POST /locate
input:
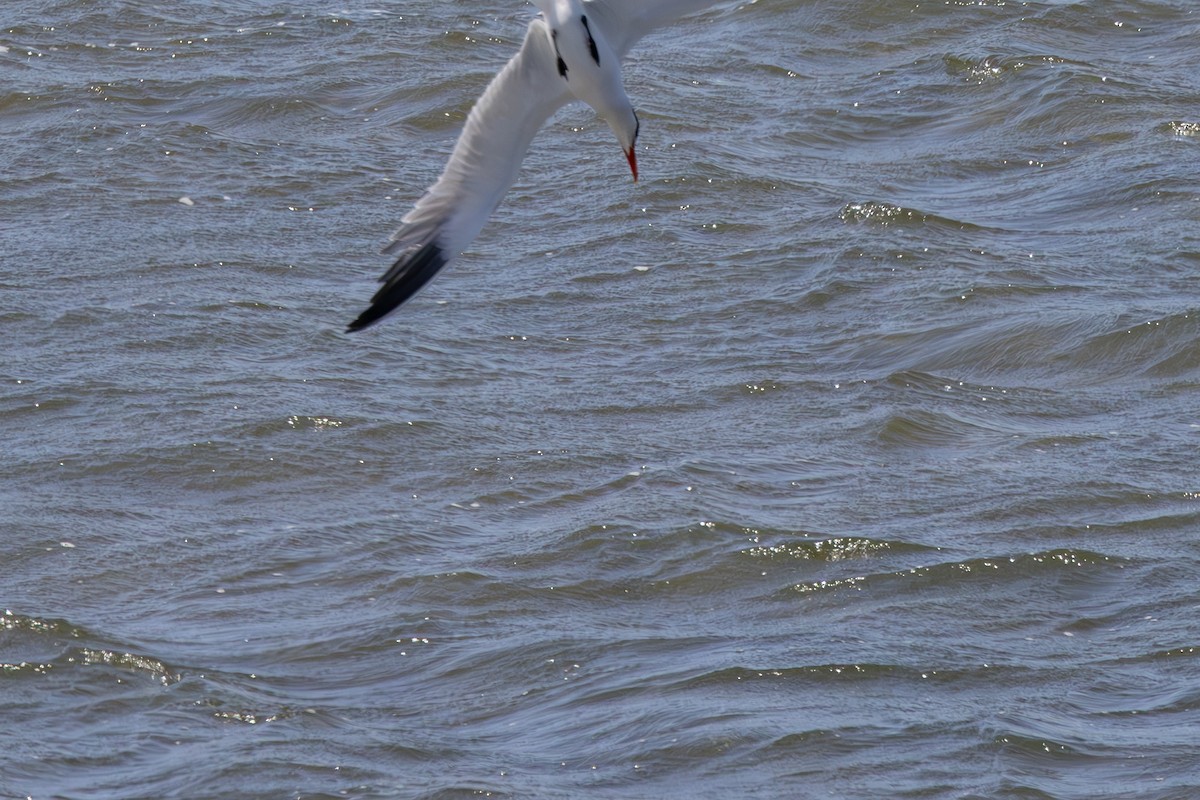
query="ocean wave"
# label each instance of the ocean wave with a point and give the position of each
(950, 573)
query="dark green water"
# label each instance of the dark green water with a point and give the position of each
(850, 454)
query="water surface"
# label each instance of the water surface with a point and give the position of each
(849, 454)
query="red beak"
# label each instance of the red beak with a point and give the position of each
(629, 154)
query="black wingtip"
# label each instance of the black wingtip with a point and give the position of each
(412, 270)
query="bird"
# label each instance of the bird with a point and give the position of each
(572, 50)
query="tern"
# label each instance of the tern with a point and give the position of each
(572, 51)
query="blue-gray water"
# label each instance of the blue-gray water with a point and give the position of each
(850, 454)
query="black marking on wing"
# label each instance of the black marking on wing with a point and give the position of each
(591, 42)
(562, 65)
(415, 268)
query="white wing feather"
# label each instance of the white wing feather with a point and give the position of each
(625, 21)
(482, 168)
(489, 151)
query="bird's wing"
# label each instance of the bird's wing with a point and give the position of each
(623, 22)
(482, 168)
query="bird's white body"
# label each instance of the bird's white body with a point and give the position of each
(590, 68)
(571, 51)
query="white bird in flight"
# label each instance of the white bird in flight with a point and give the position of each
(572, 51)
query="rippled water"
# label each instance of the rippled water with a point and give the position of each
(852, 453)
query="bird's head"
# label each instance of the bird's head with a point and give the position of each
(626, 128)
